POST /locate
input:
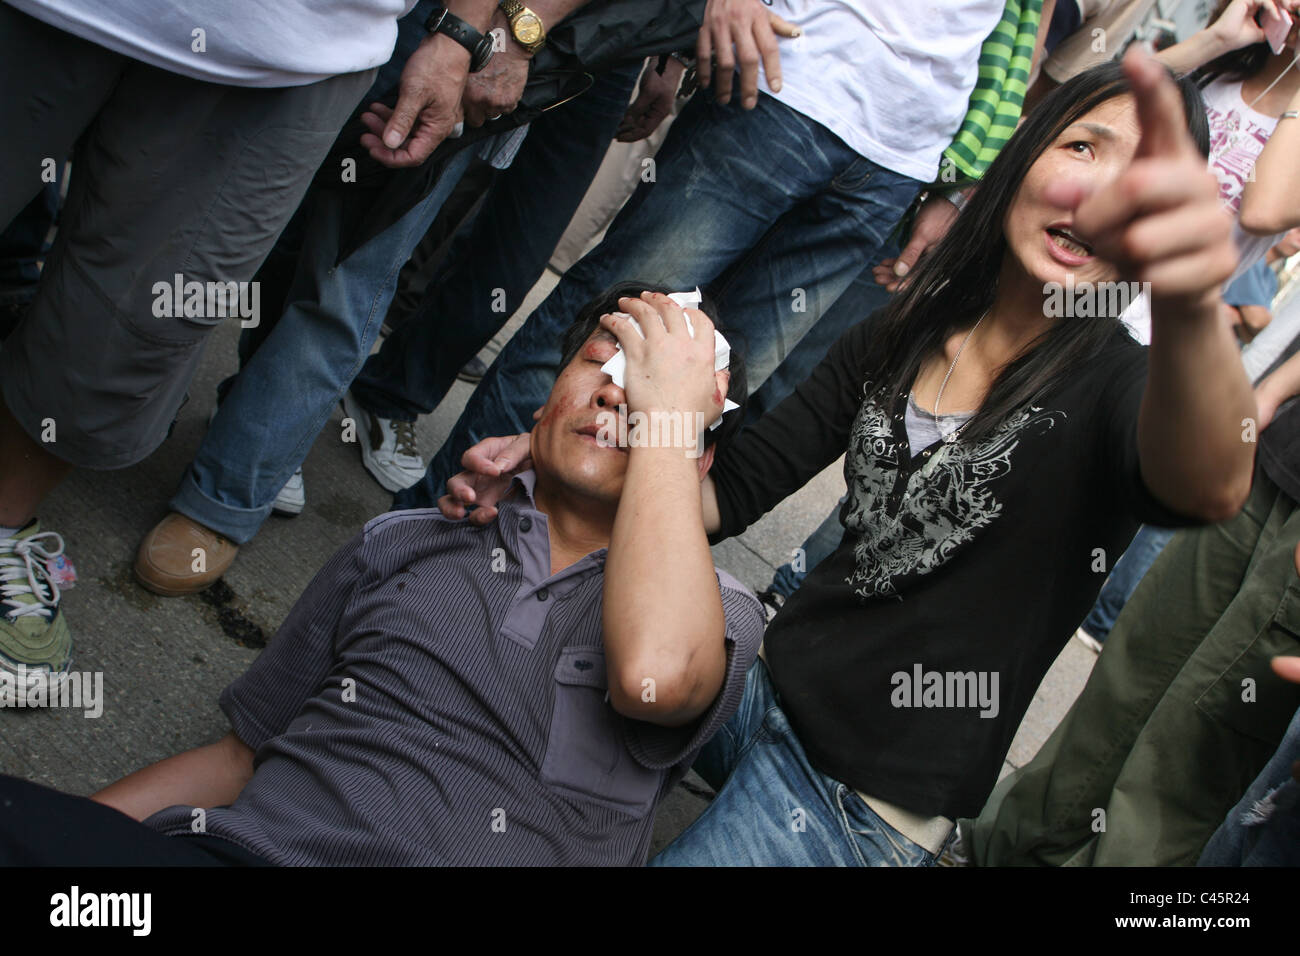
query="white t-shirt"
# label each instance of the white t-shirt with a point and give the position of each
(1237, 137)
(892, 78)
(264, 43)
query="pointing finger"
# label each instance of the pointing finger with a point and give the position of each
(1159, 106)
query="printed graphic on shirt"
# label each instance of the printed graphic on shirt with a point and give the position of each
(947, 501)
(1237, 137)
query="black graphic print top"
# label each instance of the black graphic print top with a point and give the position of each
(967, 560)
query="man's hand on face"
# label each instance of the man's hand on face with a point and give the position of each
(668, 370)
(428, 105)
(497, 88)
(744, 32)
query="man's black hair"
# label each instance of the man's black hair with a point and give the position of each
(588, 321)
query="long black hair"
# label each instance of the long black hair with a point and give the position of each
(957, 281)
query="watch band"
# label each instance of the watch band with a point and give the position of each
(480, 48)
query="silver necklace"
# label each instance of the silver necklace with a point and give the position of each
(952, 436)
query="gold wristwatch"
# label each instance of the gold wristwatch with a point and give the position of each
(525, 26)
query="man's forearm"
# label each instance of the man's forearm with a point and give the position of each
(663, 621)
(477, 13)
(553, 11)
(550, 12)
(210, 776)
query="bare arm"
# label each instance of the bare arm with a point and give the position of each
(1044, 24)
(1282, 384)
(429, 98)
(709, 503)
(498, 87)
(1194, 52)
(1190, 427)
(1247, 321)
(664, 626)
(1235, 28)
(663, 618)
(1161, 221)
(210, 776)
(1197, 396)
(1271, 202)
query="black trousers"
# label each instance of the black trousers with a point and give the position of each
(43, 827)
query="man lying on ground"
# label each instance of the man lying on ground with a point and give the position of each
(444, 693)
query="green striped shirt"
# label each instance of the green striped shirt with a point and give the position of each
(995, 104)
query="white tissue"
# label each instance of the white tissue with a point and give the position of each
(616, 367)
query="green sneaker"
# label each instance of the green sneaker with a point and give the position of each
(34, 637)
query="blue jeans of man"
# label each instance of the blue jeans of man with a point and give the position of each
(281, 399)
(1264, 828)
(855, 304)
(1124, 579)
(497, 260)
(770, 204)
(773, 807)
(271, 413)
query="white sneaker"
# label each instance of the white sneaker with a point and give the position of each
(292, 497)
(387, 447)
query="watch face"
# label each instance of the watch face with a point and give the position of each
(528, 28)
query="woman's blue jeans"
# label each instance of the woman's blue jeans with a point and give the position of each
(773, 807)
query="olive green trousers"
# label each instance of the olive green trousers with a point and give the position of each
(1180, 714)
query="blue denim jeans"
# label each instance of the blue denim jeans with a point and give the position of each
(497, 260)
(863, 297)
(773, 807)
(275, 407)
(770, 210)
(1264, 828)
(1124, 579)
(296, 366)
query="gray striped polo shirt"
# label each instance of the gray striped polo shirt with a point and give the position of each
(436, 696)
